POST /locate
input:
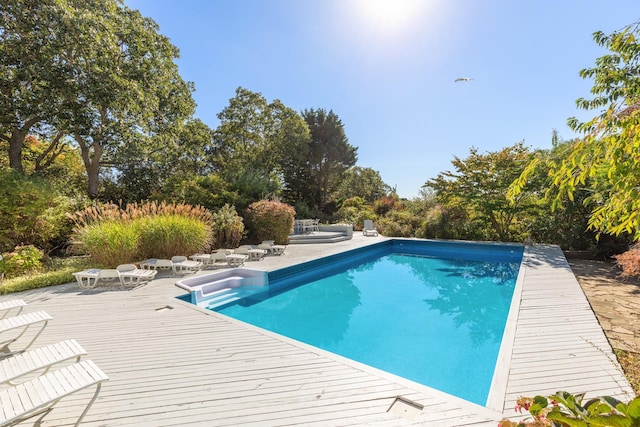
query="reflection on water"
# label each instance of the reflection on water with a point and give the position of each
(475, 294)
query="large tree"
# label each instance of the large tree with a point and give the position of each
(605, 161)
(362, 182)
(479, 187)
(255, 142)
(32, 79)
(329, 155)
(96, 71)
(143, 168)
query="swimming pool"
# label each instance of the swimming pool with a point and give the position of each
(431, 312)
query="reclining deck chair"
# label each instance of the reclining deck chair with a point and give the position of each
(6, 306)
(23, 321)
(132, 275)
(88, 279)
(181, 265)
(40, 395)
(42, 358)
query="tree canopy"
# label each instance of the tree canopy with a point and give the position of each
(605, 161)
(328, 157)
(95, 71)
(478, 187)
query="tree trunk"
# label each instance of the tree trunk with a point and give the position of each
(16, 142)
(15, 150)
(91, 158)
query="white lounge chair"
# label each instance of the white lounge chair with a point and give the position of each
(236, 260)
(40, 395)
(369, 229)
(88, 279)
(218, 260)
(6, 306)
(242, 250)
(272, 248)
(24, 321)
(181, 265)
(156, 264)
(132, 275)
(43, 358)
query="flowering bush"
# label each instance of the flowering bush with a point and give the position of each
(567, 410)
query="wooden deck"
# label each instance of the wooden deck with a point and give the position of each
(173, 364)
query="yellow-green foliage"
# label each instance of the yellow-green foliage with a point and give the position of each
(270, 220)
(109, 242)
(398, 224)
(164, 236)
(60, 272)
(114, 235)
(355, 214)
(228, 228)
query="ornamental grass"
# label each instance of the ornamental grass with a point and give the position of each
(112, 234)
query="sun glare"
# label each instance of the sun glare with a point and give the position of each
(389, 16)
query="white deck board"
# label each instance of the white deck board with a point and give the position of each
(184, 366)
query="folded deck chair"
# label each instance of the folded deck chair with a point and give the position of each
(40, 395)
(6, 307)
(181, 265)
(24, 321)
(42, 358)
(132, 275)
(369, 229)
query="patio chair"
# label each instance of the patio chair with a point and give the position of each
(39, 358)
(132, 275)
(6, 306)
(236, 260)
(181, 265)
(218, 260)
(88, 279)
(23, 321)
(39, 395)
(271, 247)
(156, 264)
(369, 229)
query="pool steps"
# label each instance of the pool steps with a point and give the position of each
(221, 288)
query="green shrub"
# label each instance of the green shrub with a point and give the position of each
(355, 214)
(21, 261)
(566, 409)
(32, 212)
(60, 272)
(270, 220)
(304, 211)
(356, 202)
(386, 204)
(398, 224)
(227, 228)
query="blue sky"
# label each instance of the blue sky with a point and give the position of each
(387, 68)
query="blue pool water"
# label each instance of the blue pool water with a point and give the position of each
(411, 310)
